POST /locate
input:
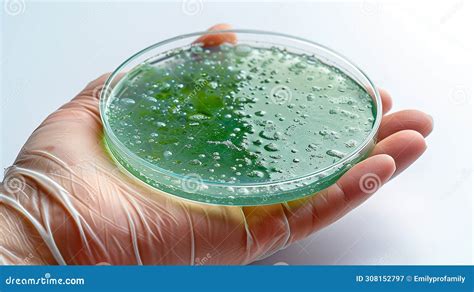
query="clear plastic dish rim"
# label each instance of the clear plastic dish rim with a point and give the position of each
(372, 90)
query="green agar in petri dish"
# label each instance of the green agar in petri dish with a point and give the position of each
(239, 114)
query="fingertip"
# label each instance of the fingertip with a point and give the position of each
(415, 147)
(383, 165)
(210, 40)
(367, 177)
(429, 125)
(425, 121)
(387, 166)
(416, 139)
(405, 147)
(406, 120)
(387, 101)
(400, 143)
(220, 26)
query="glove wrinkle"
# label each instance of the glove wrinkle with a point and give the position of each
(47, 238)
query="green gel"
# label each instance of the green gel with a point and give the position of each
(240, 114)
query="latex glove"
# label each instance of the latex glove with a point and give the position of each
(65, 202)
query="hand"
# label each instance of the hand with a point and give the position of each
(64, 202)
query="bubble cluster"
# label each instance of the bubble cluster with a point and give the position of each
(236, 113)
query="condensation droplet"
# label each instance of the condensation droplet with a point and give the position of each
(271, 147)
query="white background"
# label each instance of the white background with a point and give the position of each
(421, 52)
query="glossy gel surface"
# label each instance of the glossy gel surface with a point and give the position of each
(240, 114)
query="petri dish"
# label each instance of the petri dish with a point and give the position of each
(266, 119)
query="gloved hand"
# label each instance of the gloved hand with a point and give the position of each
(64, 201)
